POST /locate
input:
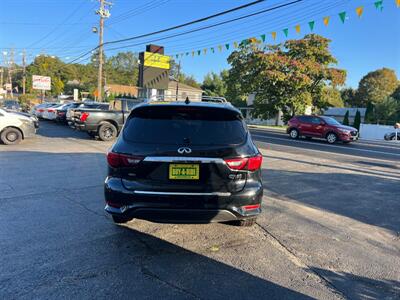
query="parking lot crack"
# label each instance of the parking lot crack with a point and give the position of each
(84, 206)
(298, 262)
(145, 271)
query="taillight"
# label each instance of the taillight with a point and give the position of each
(254, 162)
(247, 163)
(40, 110)
(84, 116)
(236, 163)
(50, 110)
(117, 160)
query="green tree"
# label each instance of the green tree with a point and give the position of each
(214, 84)
(48, 66)
(369, 113)
(331, 97)
(377, 86)
(387, 111)
(396, 93)
(357, 120)
(346, 118)
(285, 77)
(122, 68)
(349, 97)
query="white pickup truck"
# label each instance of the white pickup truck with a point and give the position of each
(15, 126)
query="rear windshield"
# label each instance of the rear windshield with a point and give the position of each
(185, 125)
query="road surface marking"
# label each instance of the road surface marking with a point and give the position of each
(330, 146)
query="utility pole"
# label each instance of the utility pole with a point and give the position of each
(103, 12)
(177, 81)
(10, 71)
(24, 71)
(1, 78)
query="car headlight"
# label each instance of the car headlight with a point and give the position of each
(344, 131)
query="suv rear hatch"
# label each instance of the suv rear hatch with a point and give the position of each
(182, 149)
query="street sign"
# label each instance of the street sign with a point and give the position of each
(41, 82)
(156, 60)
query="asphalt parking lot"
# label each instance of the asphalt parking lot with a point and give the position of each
(330, 228)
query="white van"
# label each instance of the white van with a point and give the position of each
(15, 126)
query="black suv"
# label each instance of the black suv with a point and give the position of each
(182, 162)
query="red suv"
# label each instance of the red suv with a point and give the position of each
(321, 127)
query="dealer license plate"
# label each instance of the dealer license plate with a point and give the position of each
(184, 171)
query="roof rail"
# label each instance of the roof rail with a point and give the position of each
(213, 99)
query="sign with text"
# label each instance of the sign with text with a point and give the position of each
(41, 82)
(156, 60)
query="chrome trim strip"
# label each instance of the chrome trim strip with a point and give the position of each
(184, 159)
(225, 194)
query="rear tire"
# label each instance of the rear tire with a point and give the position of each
(107, 132)
(246, 222)
(331, 138)
(120, 219)
(294, 134)
(11, 136)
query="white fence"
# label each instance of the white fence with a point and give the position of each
(374, 132)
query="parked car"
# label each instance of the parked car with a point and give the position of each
(15, 126)
(61, 112)
(10, 105)
(104, 123)
(392, 136)
(321, 127)
(39, 109)
(185, 163)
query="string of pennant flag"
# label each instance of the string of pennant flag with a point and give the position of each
(263, 37)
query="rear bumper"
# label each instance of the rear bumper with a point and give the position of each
(181, 207)
(84, 127)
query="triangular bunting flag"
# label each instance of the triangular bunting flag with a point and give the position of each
(192, 53)
(220, 48)
(235, 44)
(198, 52)
(297, 27)
(342, 16)
(398, 3)
(212, 49)
(252, 40)
(378, 4)
(326, 20)
(273, 34)
(263, 38)
(227, 46)
(360, 10)
(286, 31)
(205, 51)
(187, 53)
(311, 24)
(177, 56)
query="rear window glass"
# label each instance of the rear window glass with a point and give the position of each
(185, 125)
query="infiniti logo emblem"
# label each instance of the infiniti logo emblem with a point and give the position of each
(183, 150)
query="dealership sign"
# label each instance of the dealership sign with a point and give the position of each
(41, 82)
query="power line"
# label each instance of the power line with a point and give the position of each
(136, 12)
(56, 27)
(213, 25)
(189, 23)
(193, 22)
